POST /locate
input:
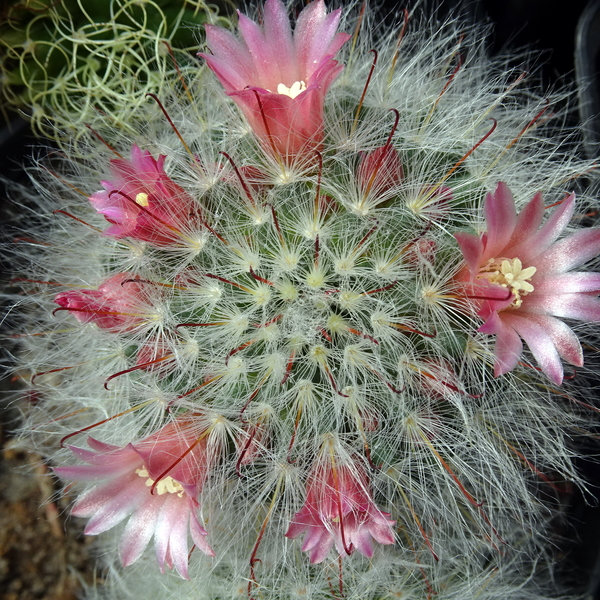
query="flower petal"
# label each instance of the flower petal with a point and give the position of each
(472, 249)
(380, 526)
(540, 343)
(563, 337)
(228, 50)
(501, 218)
(307, 26)
(567, 283)
(99, 446)
(230, 76)
(139, 530)
(169, 518)
(551, 229)
(361, 540)
(199, 535)
(281, 44)
(320, 547)
(528, 222)
(508, 348)
(94, 499)
(117, 508)
(567, 306)
(178, 539)
(571, 252)
(90, 472)
(259, 49)
(315, 37)
(314, 535)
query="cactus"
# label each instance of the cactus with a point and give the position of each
(314, 315)
(63, 62)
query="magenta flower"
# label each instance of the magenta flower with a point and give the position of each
(142, 201)
(155, 483)
(519, 278)
(119, 304)
(279, 79)
(339, 510)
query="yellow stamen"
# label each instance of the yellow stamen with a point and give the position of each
(167, 485)
(510, 274)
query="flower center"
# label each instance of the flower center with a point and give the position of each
(167, 485)
(510, 274)
(297, 88)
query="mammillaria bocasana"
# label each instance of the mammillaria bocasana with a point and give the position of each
(310, 299)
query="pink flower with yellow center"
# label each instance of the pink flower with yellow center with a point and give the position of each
(279, 79)
(119, 304)
(142, 202)
(519, 278)
(155, 483)
(339, 510)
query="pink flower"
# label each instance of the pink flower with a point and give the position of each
(279, 79)
(339, 510)
(119, 304)
(142, 201)
(155, 483)
(519, 278)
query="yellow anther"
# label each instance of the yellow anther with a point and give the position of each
(142, 199)
(167, 485)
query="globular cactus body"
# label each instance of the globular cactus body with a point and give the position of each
(299, 341)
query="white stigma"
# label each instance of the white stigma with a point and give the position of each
(297, 88)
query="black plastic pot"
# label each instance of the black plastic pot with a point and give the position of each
(587, 69)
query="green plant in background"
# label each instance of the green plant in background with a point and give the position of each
(65, 62)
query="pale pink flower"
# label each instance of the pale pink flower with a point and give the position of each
(119, 304)
(279, 79)
(142, 201)
(519, 278)
(339, 510)
(155, 483)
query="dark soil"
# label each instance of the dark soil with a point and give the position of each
(43, 554)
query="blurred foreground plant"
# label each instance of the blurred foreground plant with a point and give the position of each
(62, 62)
